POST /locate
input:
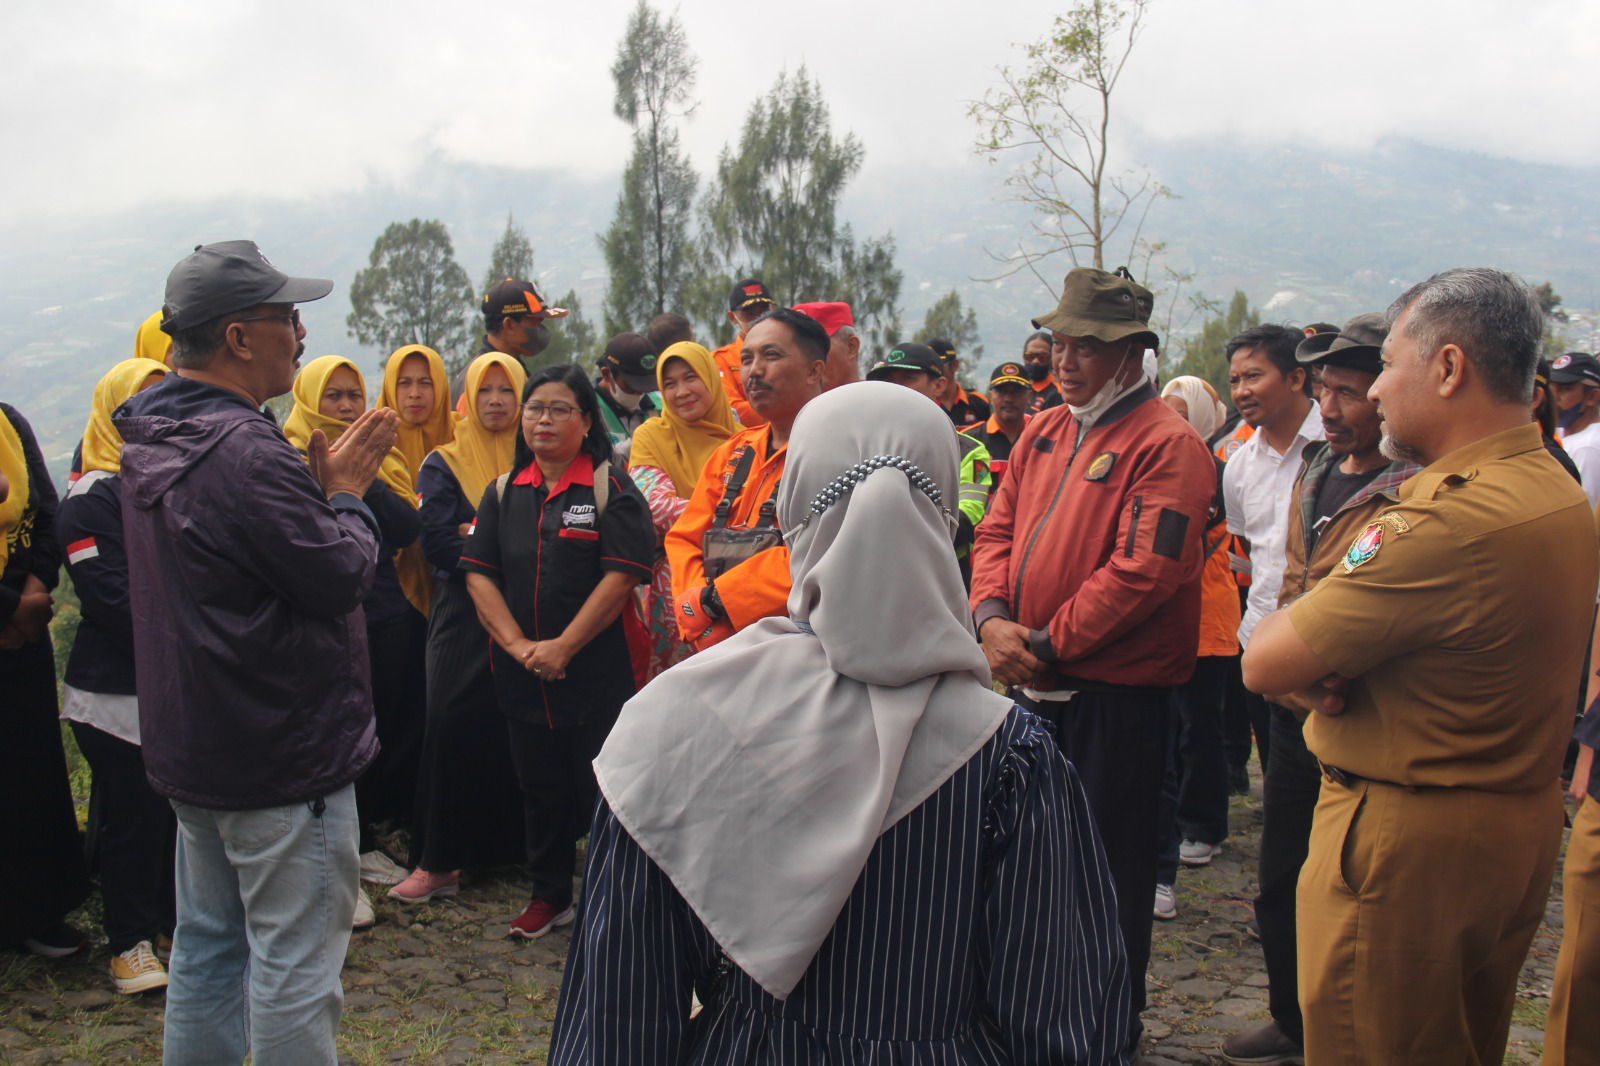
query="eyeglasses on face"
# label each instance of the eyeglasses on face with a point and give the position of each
(293, 317)
(559, 412)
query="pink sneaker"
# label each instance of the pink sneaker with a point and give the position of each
(421, 886)
(539, 918)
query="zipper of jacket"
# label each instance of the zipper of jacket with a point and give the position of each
(1133, 527)
(1027, 553)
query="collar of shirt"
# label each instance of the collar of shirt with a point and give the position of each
(1462, 463)
(578, 472)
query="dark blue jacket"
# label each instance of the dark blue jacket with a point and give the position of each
(246, 586)
(89, 530)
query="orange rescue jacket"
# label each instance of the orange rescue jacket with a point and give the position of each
(727, 360)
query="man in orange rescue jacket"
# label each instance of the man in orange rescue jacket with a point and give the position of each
(1086, 575)
(744, 576)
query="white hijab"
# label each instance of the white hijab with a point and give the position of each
(1206, 412)
(759, 774)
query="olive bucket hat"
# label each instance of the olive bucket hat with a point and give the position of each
(1099, 304)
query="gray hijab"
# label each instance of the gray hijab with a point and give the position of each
(759, 774)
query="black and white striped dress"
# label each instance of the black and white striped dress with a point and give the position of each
(983, 930)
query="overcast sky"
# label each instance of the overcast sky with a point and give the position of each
(109, 104)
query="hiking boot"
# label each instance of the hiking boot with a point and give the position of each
(1196, 853)
(1264, 1045)
(137, 970)
(365, 917)
(378, 869)
(539, 918)
(422, 886)
(1166, 907)
(57, 942)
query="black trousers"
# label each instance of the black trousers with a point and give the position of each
(1289, 799)
(138, 837)
(1118, 742)
(1259, 713)
(558, 797)
(1201, 764)
(387, 790)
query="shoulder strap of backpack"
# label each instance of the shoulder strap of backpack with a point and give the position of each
(602, 489)
(500, 487)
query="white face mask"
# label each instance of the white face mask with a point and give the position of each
(628, 401)
(1109, 393)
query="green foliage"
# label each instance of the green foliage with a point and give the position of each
(1203, 355)
(512, 258)
(413, 291)
(573, 339)
(648, 248)
(772, 211)
(960, 327)
(1055, 112)
(1555, 320)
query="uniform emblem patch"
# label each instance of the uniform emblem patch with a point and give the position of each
(1100, 469)
(1364, 547)
(1231, 447)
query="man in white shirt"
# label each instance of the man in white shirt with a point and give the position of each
(1575, 380)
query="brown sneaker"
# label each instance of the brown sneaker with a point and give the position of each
(137, 970)
(1264, 1045)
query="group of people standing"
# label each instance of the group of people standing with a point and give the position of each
(743, 618)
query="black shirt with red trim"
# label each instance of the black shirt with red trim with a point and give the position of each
(547, 549)
(999, 445)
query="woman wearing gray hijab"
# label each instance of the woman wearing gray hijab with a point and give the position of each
(829, 827)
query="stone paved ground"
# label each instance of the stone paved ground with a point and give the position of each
(440, 984)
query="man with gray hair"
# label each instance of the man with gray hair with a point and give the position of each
(1441, 668)
(246, 571)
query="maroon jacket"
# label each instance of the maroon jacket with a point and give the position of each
(246, 589)
(1095, 546)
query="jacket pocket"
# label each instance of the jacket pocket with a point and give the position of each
(1133, 527)
(575, 533)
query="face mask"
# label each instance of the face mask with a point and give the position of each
(538, 339)
(1109, 393)
(1035, 372)
(628, 401)
(1569, 415)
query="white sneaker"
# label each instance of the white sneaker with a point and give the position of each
(365, 916)
(1166, 907)
(1194, 853)
(378, 869)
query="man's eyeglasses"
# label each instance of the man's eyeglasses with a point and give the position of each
(559, 412)
(292, 316)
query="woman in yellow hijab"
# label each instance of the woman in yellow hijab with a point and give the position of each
(668, 453)
(151, 343)
(469, 804)
(416, 387)
(135, 825)
(329, 394)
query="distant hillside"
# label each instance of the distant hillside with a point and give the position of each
(1309, 233)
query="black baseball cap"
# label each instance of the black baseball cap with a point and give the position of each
(1573, 367)
(1009, 374)
(631, 358)
(907, 357)
(218, 279)
(749, 293)
(943, 349)
(513, 297)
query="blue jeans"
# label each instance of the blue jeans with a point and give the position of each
(265, 900)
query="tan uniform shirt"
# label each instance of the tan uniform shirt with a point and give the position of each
(1462, 614)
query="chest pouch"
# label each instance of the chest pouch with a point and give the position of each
(724, 546)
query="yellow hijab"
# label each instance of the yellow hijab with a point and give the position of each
(151, 343)
(102, 444)
(415, 442)
(14, 465)
(681, 448)
(477, 456)
(415, 578)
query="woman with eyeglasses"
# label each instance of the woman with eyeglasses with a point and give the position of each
(558, 545)
(669, 451)
(468, 809)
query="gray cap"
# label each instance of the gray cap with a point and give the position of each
(1359, 345)
(218, 279)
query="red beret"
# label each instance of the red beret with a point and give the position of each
(831, 315)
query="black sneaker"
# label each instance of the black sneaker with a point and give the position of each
(1265, 1045)
(57, 942)
(1239, 780)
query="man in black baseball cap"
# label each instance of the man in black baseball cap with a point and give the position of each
(627, 388)
(749, 300)
(1575, 380)
(1010, 389)
(963, 407)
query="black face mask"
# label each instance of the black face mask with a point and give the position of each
(1035, 372)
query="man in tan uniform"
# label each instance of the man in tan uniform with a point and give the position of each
(1443, 666)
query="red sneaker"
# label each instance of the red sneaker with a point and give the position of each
(539, 919)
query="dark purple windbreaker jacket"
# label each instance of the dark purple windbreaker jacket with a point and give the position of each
(246, 586)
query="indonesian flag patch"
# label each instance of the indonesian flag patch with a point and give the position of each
(79, 550)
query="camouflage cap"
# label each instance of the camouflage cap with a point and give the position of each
(1100, 304)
